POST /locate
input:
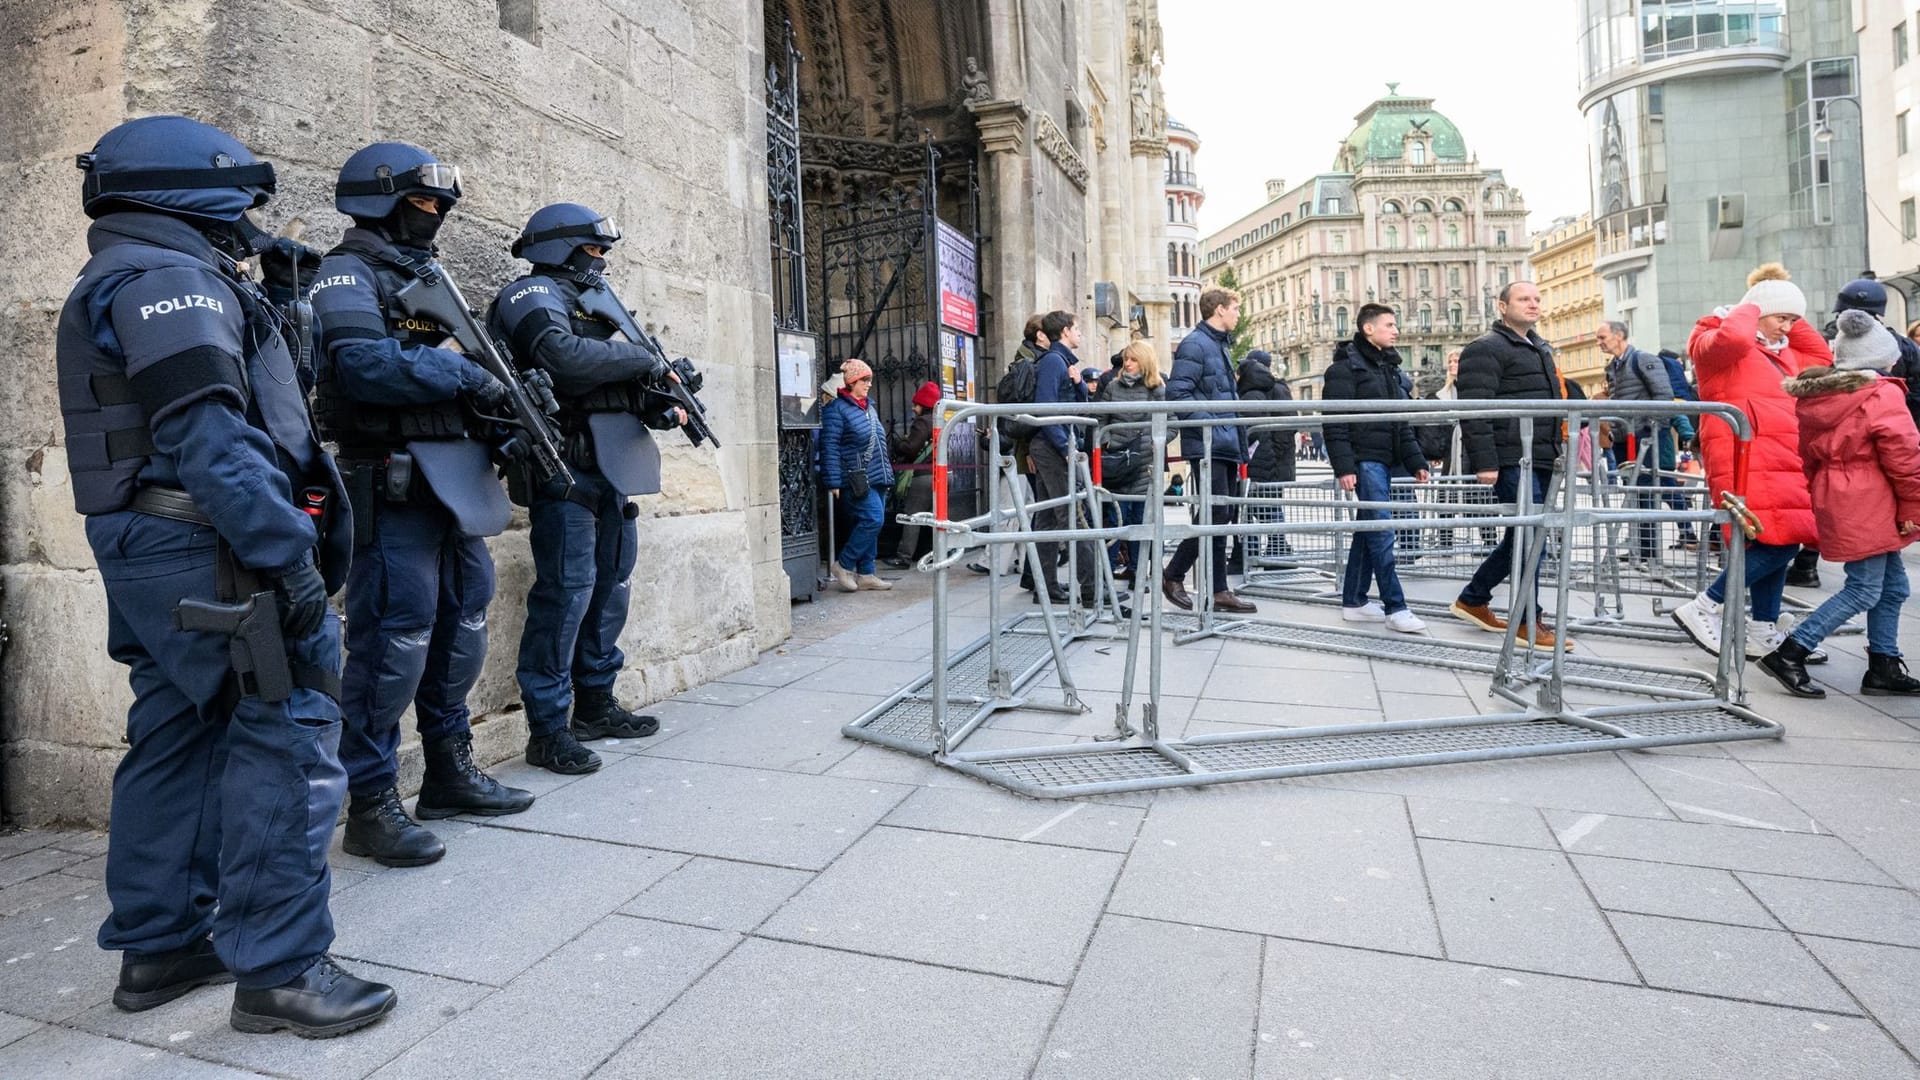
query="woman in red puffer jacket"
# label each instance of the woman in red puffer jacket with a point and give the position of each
(1741, 356)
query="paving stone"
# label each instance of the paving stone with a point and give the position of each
(1597, 783)
(22, 840)
(344, 879)
(50, 968)
(1210, 716)
(1838, 909)
(1723, 846)
(786, 819)
(778, 670)
(776, 1010)
(861, 675)
(1872, 753)
(60, 1052)
(1683, 892)
(719, 894)
(93, 869)
(1156, 999)
(1008, 816)
(31, 864)
(1424, 706)
(536, 891)
(14, 1028)
(1884, 978)
(1282, 859)
(969, 902)
(1254, 654)
(1096, 722)
(1292, 686)
(1730, 961)
(564, 1015)
(720, 693)
(1872, 809)
(31, 893)
(1330, 1012)
(1724, 792)
(1480, 823)
(1518, 908)
(1182, 673)
(790, 729)
(1840, 716)
(81, 842)
(197, 1025)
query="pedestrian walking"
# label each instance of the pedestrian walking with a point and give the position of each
(1741, 356)
(1364, 453)
(1126, 456)
(1510, 362)
(854, 466)
(192, 458)
(1059, 379)
(1634, 374)
(1203, 375)
(1862, 454)
(407, 414)
(913, 479)
(1270, 450)
(584, 537)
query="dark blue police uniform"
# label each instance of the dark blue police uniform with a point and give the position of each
(188, 442)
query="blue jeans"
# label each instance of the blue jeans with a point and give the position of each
(1131, 513)
(863, 542)
(1370, 558)
(222, 808)
(1766, 578)
(416, 633)
(1876, 585)
(582, 560)
(1496, 567)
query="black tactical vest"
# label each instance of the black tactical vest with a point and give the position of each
(365, 429)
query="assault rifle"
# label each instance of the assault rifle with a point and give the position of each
(432, 295)
(603, 303)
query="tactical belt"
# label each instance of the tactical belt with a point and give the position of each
(168, 502)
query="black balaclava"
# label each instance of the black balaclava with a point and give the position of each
(411, 227)
(582, 263)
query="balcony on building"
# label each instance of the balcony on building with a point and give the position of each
(1183, 178)
(1627, 43)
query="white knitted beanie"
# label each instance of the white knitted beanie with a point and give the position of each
(1769, 289)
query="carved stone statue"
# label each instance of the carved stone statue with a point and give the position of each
(975, 89)
(1143, 104)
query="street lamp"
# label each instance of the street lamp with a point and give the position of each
(1823, 135)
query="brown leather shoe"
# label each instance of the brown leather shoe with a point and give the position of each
(1226, 601)
(1480, 616)
(1542, 638)
(1176, 594)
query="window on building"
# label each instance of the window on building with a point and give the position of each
(1340, 322)
(1422, 206)
(1426, 317)
(1456, 317)
(1900, 43)
(1425, 278)
(1505, 276)
(1173, 261)
(1500, 238)
(1339, 281)
(1900, 133)
(1453, 278)
(1453, 236)
(1393, 283)
(1906, 218)
(1340, 239)
(1421, 238)
(1333, 206)
(1452, 206)
(1417, 153)
(1393, 236)
(1391, 206)
(1499, 200)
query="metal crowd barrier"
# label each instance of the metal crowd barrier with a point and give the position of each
(1567, 542)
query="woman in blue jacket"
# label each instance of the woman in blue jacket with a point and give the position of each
(853, 449)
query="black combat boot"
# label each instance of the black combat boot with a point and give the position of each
(455, 785)
(1804, 573)
(560, 752)
(149, 979)
(378, 828)
(598, 715)
(323, 1001)
(1788, 663)
(1887, 676)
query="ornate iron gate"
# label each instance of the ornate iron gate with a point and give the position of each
(799, 533)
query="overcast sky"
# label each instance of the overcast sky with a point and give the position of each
(1272, 89)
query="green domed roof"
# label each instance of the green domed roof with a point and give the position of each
(1382, 126)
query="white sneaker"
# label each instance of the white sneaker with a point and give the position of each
(872, 581)
(843, 577)
(1765, 637)
(1700, 618)
(1371, 611)
(1405, 621)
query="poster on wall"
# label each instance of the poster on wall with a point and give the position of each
(959, 280)
(956, 365)
(797, 358)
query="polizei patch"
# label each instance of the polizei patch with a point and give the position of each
(180, 303)
(528, 291)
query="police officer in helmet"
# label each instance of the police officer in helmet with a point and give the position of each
(404, 409)
(583, 538)
(204, 490)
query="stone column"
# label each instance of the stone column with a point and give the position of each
(1008, 274)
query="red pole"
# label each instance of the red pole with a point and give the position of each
(939, 479)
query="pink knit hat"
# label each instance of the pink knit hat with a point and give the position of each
(855, 370)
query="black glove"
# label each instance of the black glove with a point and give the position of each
(539, 386)
(303, 600)
(490, 395)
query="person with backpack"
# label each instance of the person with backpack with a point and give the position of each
(1014, 438)
(1270, 450)
(913, 483)
(1202, 374)
(1058, 378)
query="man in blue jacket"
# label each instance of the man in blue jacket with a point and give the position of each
(1058, 378)
(1201, 372)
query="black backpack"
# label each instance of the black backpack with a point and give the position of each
(1017, 386)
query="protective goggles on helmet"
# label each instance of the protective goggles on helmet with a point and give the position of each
(224, 173)
(433, 176)
(600, 231)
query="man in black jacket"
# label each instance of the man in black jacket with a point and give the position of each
(1363, 455)
(1509, 362)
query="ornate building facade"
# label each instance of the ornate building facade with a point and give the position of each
(1184, 196)
(1572, 304)
(903, 180)
(1406, 217)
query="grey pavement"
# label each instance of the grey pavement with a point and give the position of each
(751, 894)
